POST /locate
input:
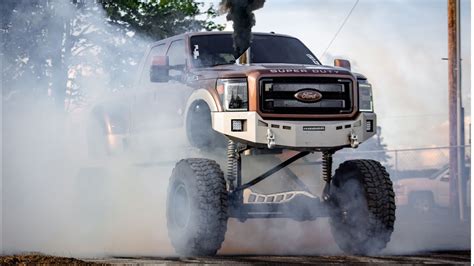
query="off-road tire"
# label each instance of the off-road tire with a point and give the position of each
(198, 226)
(97, 146)
(363, 207)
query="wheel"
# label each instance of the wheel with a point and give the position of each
(105, 131)
(97, 146)
(199, 128)
(363, 207)
(422, 202)
(196, 208)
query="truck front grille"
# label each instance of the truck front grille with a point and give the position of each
(277, 95)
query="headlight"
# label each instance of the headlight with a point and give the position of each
(233, 94)
(366, 103)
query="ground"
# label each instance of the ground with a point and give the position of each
(444, 257)
(115, 213)
(453, 257)
(39, 259)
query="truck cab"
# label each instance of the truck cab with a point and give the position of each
(276, 95)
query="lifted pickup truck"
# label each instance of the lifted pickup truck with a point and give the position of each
(276, 96)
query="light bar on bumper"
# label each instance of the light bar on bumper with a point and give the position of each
(233, 94)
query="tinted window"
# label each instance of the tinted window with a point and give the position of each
(158, 50)
(211, 50)
(177, 56)
(155, 51)
(217, 49)
(277, 49)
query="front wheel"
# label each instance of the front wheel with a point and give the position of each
(196, 208)
(199, 128)
(363, 207)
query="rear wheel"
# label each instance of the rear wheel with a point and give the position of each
(106, 131)
(363, 213)
(197, 207)
(97, 145)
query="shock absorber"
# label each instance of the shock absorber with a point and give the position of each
(326, 166)
(232, 163)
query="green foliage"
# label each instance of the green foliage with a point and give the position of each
(161, 19)
(43, 41)
(24, 32)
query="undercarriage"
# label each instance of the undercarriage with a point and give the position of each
(298, 205)
(358, 199)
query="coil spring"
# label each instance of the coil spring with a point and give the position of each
(327, 166)
(232, 161)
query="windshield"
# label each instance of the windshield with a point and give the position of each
(217, 49)
(439, 172)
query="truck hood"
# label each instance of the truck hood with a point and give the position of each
(242, 71)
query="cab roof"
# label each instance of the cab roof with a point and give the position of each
(190, 34)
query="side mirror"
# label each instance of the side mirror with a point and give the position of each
(445, 177)
(159, 69)
(342, 63)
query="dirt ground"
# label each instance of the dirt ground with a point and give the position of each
(444, 257)
(29, 259)
(447, 257)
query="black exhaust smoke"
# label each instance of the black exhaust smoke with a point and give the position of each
(241, 14)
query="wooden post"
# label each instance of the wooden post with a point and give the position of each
(461, 184)
(452, 101)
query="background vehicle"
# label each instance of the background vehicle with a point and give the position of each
(424, 194)
(275, 97)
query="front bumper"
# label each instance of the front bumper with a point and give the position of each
(295, 134)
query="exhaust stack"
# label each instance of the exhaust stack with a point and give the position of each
(244, 59)
(243, 18)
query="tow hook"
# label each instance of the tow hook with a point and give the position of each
(354, 140)
(270, 139)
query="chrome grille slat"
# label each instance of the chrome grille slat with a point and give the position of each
(323, 103)
(319, 87)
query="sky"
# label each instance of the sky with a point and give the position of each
(397, 44)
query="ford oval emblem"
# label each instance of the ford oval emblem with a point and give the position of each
(308, 95)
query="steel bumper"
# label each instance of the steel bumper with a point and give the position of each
(295, 134)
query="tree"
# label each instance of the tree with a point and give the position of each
(22, 33)
(37, 40)
(158, 19)
(45, 42)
